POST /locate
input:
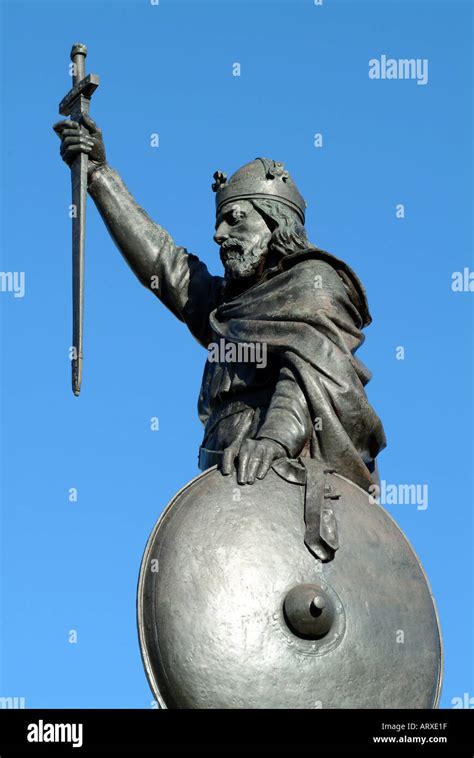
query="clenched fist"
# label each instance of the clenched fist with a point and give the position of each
(81, 137)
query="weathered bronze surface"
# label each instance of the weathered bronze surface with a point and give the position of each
(295, 591)
(225, 612)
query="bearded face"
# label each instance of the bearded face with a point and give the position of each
(243, 237)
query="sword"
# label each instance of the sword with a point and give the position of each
(75, 105)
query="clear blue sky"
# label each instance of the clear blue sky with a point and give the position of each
(168, 69)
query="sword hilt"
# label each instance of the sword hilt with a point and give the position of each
(78, 57)
(82, 85)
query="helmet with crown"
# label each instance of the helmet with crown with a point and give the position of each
(262, 178)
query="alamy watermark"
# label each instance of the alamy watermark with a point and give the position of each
(42, 731)
(462, 281)
(238, 352)
(466, 701)
(12, 702)
(399, 494)
(399, 68)
(13, 282)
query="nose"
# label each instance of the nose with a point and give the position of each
(220, 235)
(220, 238)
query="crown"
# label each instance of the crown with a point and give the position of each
(261, 178)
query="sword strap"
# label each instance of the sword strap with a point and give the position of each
(321, 535)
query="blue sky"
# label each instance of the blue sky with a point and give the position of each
(167, 69)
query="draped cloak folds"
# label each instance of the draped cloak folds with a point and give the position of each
(310, 314)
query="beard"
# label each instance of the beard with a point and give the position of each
(241, 260)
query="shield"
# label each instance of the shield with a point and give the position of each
(234, 610)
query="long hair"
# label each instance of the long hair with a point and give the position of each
(288, 233)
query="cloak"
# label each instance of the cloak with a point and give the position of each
(310, 312)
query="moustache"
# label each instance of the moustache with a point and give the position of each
(232, 247)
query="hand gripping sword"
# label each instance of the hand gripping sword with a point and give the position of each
(75, 104)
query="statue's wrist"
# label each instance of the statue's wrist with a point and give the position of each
(94, 170)
(279, 447)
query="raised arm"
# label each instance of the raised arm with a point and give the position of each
(179, 279)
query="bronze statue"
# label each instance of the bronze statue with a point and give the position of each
(304, 304)
(282, 392)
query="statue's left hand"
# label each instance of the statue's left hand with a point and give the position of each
(253, 459)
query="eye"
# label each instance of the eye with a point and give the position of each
(234, 216)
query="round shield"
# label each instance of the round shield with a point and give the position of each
(234, 611)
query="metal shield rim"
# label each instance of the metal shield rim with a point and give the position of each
(141, 583)
(439, 683)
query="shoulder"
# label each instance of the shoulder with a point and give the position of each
(322, 270)
(317, 272)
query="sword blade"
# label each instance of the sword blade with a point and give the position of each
(75, 105)
(79, 199)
